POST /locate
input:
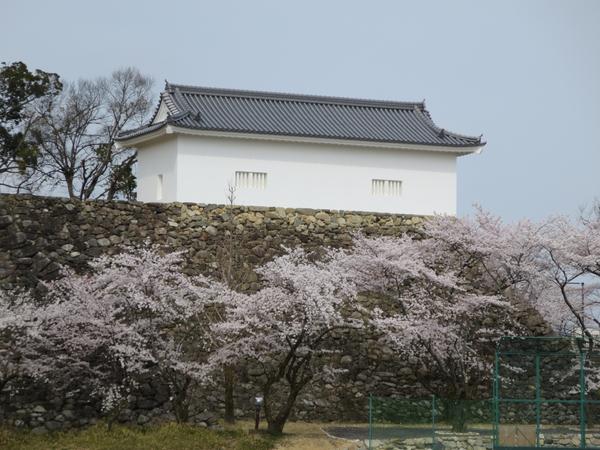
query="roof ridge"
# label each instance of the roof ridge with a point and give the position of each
(284, 96)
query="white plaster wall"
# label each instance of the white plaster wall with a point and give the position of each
(157, 158)
(162, 113)
(303, 175)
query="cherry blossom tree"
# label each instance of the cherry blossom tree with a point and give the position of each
(487, 254)
(439, 327)
(136, 313)
(19, 328)
(446, 297)
(283, 329)
(569, 260)
(550, 265)
(589, 246)
(539, 263)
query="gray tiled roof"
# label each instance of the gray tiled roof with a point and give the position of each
(270, 113)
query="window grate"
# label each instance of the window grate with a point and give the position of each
(159, 187)
(251, 180)
(391, 188)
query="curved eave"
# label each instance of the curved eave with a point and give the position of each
(154, 131)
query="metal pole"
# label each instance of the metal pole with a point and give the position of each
(370, 420)
(537, 399)
(582, 308)
(582, 400)
(496, 400)
(433, 420)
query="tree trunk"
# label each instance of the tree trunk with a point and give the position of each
(276, 424)
(181, 406)
(229, 379)
(70, 187)
(275, 427)
(181, 409)
(458, 416)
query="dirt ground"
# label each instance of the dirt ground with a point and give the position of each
(310, 436)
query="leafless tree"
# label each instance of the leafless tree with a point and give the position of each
(234, 271)
(77, 132)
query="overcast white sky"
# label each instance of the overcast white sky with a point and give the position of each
(526, 74)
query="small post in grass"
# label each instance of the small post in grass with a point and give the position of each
(258, 401)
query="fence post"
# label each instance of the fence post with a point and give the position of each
(582, 401)
(370, 420)
(538, 399)
(433, 420)
(496, 399)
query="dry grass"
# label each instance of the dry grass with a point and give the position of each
(297, 436)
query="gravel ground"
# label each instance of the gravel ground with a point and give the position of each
(388, 432)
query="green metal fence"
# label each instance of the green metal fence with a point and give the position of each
(545, 394)
(423, 422)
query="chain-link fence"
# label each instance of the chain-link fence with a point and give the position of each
(429, 423)
(546, 393)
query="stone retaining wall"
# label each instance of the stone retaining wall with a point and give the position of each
(442, 440)
(39, 234)
(477, 441)
(570, 439)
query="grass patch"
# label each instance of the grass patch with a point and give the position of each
(159, 437)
